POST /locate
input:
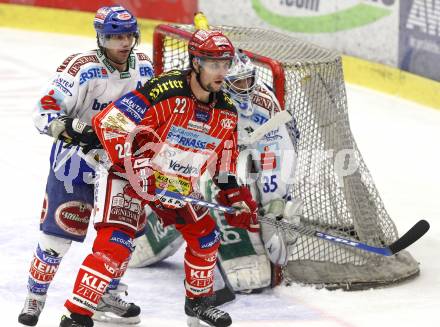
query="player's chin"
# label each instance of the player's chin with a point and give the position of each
(123, 54)
(216, 86)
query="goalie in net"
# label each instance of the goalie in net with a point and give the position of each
(247, 260)
(337, 192)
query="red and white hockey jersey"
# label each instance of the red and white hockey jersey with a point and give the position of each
(182, 135)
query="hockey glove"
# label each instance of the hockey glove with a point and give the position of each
(79, 133)
(246, 215)
(141, 178)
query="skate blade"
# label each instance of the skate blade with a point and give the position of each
(110, 318)
(196, 322)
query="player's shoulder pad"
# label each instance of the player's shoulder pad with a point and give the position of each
(167, 85)
(74, 63)
(225, 102)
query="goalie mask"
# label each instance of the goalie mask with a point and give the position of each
(241, 82)
(114, 23)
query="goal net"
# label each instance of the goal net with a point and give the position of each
(331, 178)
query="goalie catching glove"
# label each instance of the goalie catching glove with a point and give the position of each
(246, 215)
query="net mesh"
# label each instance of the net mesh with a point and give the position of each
(331, 178)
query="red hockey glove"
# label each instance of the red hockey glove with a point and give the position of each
(246, 215)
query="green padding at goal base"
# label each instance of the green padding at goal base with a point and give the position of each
(357, 71)
(60, 21)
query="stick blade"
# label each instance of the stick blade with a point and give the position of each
(277, 120)
(411, 236)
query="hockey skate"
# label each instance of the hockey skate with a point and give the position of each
(201, 310)
(33, 306)
(76, 320)
(113, 309)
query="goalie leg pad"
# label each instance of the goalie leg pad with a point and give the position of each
(275, 244)
(157, 244)
(245, 262)
(243, 257)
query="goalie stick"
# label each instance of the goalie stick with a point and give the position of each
(411, 236)
(283, 117)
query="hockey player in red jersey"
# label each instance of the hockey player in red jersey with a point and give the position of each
(266, 165)
(162, 138)
(82, 85)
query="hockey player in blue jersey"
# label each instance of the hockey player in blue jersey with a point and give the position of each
(83, 85)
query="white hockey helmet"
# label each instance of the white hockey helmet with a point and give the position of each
(241, 79)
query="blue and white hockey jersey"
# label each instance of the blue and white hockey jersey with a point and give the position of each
(274, 154)
(83, 85)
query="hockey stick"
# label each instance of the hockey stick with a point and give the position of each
(411, 236)
(278, 119)
(203, 203)
(225, 294)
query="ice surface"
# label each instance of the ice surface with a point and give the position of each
(398, 139)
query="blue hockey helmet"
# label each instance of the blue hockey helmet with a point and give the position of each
(114, 20)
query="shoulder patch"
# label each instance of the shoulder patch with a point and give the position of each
(143, 57)
(66, 62)
(133, 106)
(264, 101)
(81, 61)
